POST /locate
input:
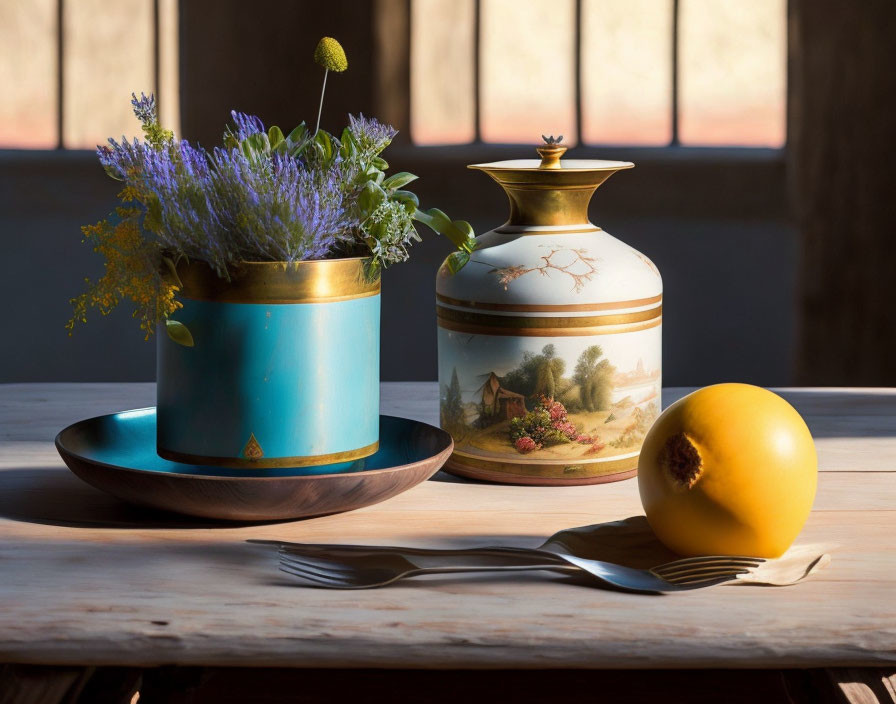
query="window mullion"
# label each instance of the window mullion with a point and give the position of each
(477, 73)
(60, 71)
(675, 85)
(578, 71)
(156, 55)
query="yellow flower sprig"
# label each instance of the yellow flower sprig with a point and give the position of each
(329, 54)
(132, 272)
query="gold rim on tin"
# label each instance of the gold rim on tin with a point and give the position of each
(551, 308)
(270, 462)
(317, 281)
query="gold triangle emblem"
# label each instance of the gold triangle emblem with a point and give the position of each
(252, 450)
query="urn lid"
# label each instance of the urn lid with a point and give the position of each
(550, 190)
(548, 256)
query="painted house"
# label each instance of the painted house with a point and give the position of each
(500, 403)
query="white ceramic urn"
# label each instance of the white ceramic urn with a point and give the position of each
(550, 337)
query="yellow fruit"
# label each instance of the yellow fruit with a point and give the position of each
(730, 469)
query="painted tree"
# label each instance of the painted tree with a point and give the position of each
(549, 372)
(594, 376)
(537, 374)
(452, 404)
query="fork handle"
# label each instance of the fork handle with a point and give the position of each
(528, 554)
(552, 567)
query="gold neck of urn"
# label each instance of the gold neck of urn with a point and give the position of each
(550, 154)
(550, 191)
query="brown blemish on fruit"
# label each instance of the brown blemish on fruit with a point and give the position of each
(682, 460)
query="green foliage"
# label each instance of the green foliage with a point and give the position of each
(589, 389)
(179, 332)
(595, 379)
(536, 425)
(547, 424)
(382, 205)
(537, 374)
(460, 232)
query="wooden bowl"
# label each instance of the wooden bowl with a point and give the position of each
(116, 453)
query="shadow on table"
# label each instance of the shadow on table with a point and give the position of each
(846, 413)
(54, 496)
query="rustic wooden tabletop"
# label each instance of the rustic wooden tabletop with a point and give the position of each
(88, 580)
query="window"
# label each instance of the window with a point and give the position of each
(68, 68)
(633, 72)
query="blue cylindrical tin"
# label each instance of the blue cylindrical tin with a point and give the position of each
(284, 369)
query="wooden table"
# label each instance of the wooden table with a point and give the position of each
(88, 581)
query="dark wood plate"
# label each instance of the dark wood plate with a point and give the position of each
(117, 454)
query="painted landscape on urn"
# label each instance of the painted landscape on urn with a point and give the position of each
(579, 399)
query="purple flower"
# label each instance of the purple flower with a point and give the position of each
(235, 204)
(144, 107)
(371, 135)
(246, 125)
(278, 209)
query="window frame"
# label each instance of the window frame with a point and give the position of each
(395, 45)
(744, 182)
(715, 181)
(60, 82)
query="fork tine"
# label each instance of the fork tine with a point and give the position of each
(702, 569)
(667, 570)
(684, 569)
(309, 576)
(710, 559)
(704, 577)
(319, 574)
(309, 569)
(322, 572)
(331, 567)
(702, 584)
(314, 579)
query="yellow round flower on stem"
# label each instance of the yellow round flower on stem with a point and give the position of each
(330, 54)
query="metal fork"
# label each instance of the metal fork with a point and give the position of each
(365, 570)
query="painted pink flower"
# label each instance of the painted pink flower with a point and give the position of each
(597, 446)
(567, 428)
(557, 411)
(584, 439)
(526, 444)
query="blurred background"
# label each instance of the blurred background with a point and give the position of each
(761, 132)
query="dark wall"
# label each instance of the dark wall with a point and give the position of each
(843, 89)
(715, 222)
(256, 57)
(715, 225)
(729, 277)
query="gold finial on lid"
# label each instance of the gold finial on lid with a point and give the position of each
(550, 152)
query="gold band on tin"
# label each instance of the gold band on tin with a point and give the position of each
(564, 308)
(318, 281)
(472, 465)
(269, 462)
(516, 322)
(547, 332)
